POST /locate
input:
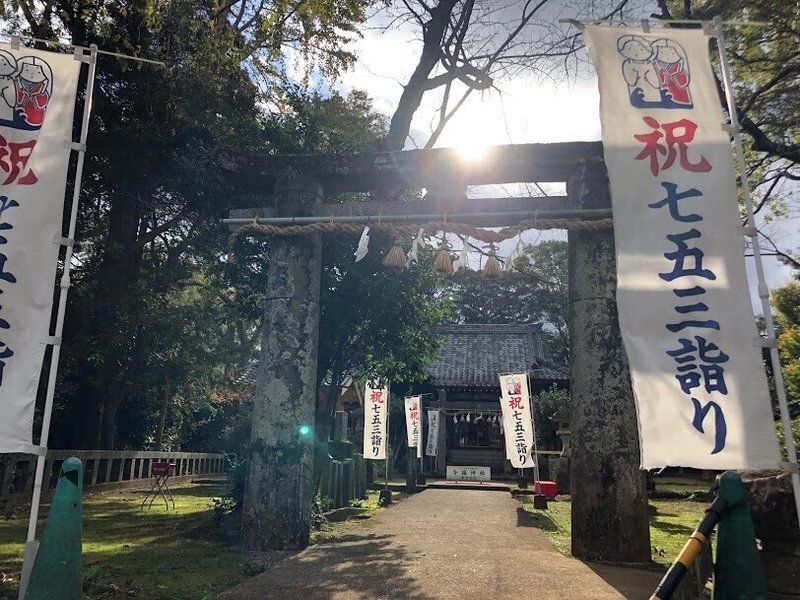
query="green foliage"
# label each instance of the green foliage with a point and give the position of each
(335, 124)
(789, 348)
(534, 291)
(325, 503)
(782, 438)
(766, 72)
(223, 506)
(236, 475)
(545, 404)
(786, 301)
(253, 568)
(158, 326)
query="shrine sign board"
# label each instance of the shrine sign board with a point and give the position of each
(471, 473)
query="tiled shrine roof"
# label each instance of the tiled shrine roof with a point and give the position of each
(473, 355)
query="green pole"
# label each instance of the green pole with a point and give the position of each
(691, 550)
(738, 573)
(56, 571)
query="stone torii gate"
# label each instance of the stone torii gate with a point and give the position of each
(609, 503)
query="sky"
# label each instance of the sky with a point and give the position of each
(523, 109)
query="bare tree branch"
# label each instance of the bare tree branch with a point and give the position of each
(445, 118)
(784, 257)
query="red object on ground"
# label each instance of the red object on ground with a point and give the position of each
(161, 471)
(163, 468)
(546, 488)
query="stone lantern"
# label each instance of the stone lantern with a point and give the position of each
(775, 521)
(560, 466)
(561, 418)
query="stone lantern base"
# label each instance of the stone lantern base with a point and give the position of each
(775, 522)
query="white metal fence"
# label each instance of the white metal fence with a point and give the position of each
(101, 467)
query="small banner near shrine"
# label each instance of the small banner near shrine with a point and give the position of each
(37, 102)
(413, 420)
(376, 403)
(684, 307)
(432, 447)
(517, 422)
(419, 439)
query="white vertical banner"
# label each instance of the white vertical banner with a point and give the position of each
(412, 420)
(420, 445)
(376, 408)
(684, 307)
(37, 103)
(432, 447)
(517, 421)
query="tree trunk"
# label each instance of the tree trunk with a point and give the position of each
(609, 501)
(117, 308)
(278, 493)
(107, 439)
(416, 87)
(162, 416)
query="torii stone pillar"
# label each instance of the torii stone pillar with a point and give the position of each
(278, 493)
(609, 500)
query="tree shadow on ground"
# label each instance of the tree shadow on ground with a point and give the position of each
(538, 520)
(198, 490)
(359, 565)
(671, 528)
(132, 555)
(631, 582)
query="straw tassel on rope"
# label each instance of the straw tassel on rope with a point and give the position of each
(491, 269)
(395, 257)
(443, 263)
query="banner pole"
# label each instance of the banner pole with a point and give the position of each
(31, 545)
(763, 288)
(533, 427)
(75, 47)
(386, 474)
(386, 442)
(420, 450)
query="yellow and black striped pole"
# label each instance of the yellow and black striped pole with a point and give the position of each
(691, 550)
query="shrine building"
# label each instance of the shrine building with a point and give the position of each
(464, 385)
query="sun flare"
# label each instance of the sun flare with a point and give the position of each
(472, 150)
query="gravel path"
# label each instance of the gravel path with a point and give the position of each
(443, 544)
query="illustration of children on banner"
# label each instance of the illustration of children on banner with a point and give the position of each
(26, 86)
(656, 73)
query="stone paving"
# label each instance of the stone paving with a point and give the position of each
(443, 544)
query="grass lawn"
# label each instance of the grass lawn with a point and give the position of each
(671, 523)
(153, 554)
(686, 485)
